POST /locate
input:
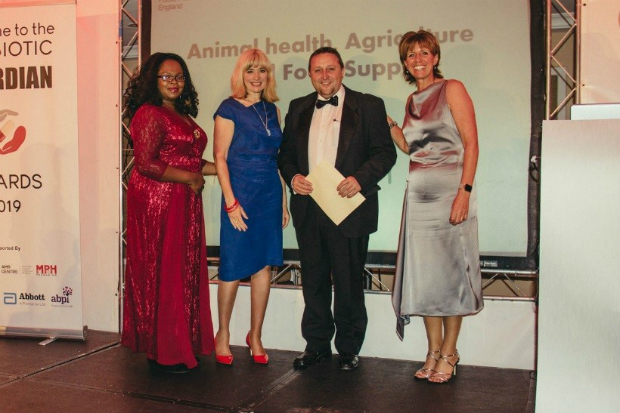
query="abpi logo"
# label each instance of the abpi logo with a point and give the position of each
(10, 298)
(18, 135)
(64, 298)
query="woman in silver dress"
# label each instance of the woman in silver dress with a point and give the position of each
(438, 266)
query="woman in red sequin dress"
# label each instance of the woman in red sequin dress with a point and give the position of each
(166, 304)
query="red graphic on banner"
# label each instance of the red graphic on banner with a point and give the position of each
(19, 135)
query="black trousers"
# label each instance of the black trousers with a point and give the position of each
(327, 255)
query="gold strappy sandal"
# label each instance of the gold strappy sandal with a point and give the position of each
(423, 373)
(439, 377)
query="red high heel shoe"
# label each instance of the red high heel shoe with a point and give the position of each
(225, 360)
(259, 358)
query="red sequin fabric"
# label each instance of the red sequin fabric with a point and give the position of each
(166, 303)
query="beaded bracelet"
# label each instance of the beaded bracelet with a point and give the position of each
(232, 207)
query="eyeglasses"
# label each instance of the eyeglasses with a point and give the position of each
(170, 78)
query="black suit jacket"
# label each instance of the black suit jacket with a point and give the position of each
(365, 151)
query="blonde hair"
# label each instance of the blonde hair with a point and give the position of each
(248, 59)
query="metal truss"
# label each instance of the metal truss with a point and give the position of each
(372, 275)
(373, 279)
(508, 278)
(560, 17)
(130, 27)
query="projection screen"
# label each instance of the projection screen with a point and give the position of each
(484, 43)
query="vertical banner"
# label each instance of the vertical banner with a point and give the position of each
(40, 271)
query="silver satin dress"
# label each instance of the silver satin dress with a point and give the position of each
(438, 264)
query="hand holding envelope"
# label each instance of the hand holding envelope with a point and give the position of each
(325, 179)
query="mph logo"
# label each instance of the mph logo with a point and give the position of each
(47, 270)
(18, 135)
(64, 298)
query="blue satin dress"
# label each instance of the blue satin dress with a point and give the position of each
(253, 169)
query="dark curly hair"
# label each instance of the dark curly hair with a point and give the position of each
(142, 87)
(424, 39)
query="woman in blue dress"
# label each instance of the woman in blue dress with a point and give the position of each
(247, 138)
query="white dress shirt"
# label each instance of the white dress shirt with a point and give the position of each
(325, 132)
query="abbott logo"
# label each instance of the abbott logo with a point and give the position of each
(18, 135)
(10, 298)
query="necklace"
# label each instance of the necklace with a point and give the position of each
(261, 119)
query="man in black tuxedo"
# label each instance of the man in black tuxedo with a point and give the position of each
(349, 130)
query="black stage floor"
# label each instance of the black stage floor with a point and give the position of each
(101, 376)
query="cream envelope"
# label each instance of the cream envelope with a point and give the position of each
(325, 178)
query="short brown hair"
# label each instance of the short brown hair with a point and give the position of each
(329, 50)
(424, 39)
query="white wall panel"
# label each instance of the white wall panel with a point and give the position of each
(579, 323)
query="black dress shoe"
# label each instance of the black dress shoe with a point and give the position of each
(348, 362)
(308, 358)
(174, 369)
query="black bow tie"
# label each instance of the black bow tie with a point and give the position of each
(331, 101)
